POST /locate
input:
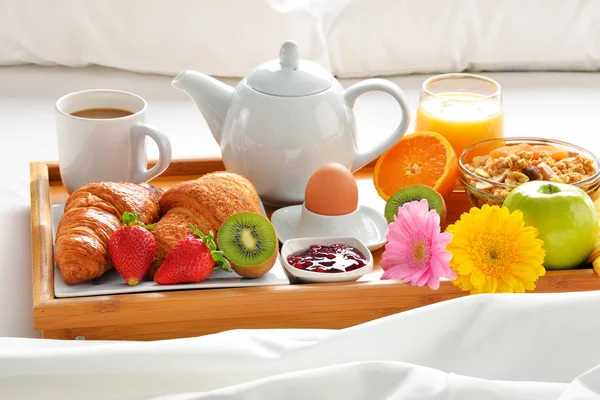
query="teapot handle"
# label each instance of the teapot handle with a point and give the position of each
(362, 158)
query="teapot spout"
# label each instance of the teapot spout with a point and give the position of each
(210, 95)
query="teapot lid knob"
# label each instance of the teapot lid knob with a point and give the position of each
(289, 75)
(289, 55)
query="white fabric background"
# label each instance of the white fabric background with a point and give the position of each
(353, 38)
(500, 347)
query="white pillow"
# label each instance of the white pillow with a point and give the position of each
(218, 37)
(352, 38)
(382, 37)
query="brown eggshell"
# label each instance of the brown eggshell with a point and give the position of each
(331, 190)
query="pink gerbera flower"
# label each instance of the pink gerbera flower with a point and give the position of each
(416, 250)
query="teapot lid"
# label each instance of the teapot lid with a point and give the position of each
(289, 76)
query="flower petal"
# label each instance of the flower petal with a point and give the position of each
(477, 279)
(491, 284)
(466, 268)
(433, 282)
(463, 283)
(423, 278)
(397, 273)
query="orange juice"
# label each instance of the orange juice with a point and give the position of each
(462, 118)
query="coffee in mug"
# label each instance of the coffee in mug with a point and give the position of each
(101, 113)
(101, 137)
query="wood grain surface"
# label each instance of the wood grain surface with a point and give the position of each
(174, 314)
(41, 235)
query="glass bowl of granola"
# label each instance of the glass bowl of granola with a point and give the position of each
(489, 170)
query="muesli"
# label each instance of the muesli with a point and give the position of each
(517, 164)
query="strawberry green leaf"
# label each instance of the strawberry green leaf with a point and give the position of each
(220, 261)
(209, 241)
(129, 218)
(132, 219)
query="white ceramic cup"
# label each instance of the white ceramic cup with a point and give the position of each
(112, 149)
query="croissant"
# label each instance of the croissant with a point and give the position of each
(92, 213)
(206, 202)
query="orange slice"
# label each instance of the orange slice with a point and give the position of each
(421, 158)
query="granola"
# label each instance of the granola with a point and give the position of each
(515, 165)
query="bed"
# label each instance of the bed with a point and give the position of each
(479, 347)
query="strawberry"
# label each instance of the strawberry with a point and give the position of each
(191, 260)
(132, 248)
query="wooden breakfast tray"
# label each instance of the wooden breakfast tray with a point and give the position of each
(186, 313)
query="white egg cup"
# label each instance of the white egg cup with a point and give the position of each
(364, 223)
(294, 245)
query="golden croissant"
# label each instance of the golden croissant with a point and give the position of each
(206, 202)
(92, 213)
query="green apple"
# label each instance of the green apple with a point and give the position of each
(564, 216)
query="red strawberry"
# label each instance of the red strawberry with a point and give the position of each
(191, 260)
(132, 248)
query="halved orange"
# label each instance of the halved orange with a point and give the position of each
(420, 158)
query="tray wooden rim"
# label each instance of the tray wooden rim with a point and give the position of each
(378, 298)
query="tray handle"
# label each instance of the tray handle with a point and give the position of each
(41, 235)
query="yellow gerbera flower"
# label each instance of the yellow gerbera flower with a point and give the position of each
(493, 251)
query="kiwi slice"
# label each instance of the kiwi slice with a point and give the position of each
(248, 240)
(415, 193)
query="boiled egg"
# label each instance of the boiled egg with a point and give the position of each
(331, 190)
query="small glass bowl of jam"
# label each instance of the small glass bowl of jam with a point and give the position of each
(332, 259)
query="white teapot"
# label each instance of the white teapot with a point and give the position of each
(284, 120)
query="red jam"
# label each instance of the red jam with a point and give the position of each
(329, 259)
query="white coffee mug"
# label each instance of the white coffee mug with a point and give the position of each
(108, 149)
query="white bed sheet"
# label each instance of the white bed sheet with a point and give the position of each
(500, 347)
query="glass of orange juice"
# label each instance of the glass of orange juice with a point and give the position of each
(464, 108)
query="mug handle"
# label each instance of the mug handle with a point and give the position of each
(362, 158)
(139, 133)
